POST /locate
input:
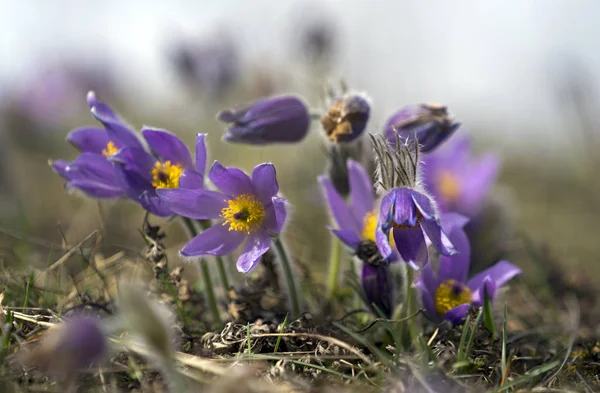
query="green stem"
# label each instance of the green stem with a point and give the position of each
(410, 306)
(289, 276)
(208, 286)
(334, 266)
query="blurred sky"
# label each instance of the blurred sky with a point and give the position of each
(493, 62)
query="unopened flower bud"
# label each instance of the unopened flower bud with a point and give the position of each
(346, 118)
(430, 124)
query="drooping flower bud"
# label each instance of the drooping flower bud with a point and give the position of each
(283, 119)
(346, 118)
(430, 124)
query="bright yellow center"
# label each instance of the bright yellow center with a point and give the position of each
(244, 213)
(110, 149)
(450, 294)
(166, 175)
(448, 185)
(370, 227)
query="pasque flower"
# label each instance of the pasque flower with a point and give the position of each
(247, 209)
(430, 124)
(457, 181)
(410, 215)
(140, 173)
(357, 222)
(283, 119)
(92, 172)
(449, 294)
(346, 118)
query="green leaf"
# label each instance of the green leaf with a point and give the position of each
(488, 318)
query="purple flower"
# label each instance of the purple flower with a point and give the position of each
(457, 181)
(429, 123)
(83, 340)
(92, 172)
(246, 209)
(283, 119)
(357, 222)
(409, 216)
(346, 118)
(449, 295)
(140, 173)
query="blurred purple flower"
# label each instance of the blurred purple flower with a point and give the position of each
(409, 216)
(283, 119)
(457, 181)
(92, 172)
(346, 118)
(357, 222)
(247, 209)
(449, 295)
(213, 65)
(318, 40)
(430, 124)
(52, 95)
(140, 173)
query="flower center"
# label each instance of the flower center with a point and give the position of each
(450, 294)
(448, 185)
(110, 149)
(166, 175)
(407, 226)
(244, 213)
(370, 227)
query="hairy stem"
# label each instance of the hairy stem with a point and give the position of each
(335, 258)
(289, 276)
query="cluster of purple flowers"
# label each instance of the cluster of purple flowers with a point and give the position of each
(423, 206)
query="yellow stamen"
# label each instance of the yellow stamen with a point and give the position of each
(370, 226)
(244, 213)
(166, 175)
(450, 294)
(448, 185)
(110, 149)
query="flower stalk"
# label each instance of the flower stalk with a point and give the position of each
(289, 276)
(220, 264)
(334, 267)
(208, 286)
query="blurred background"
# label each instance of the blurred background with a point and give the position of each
(521, 76)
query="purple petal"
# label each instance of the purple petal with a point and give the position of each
(438, 238)
(455, 267)
(451, 221)
(201, 154)
(168, 147)
(276, 213)
(339, 209)
(216, 240)
(196, 204)
(424, 204)
(500, 273)
(191, 179)
(92, 166)
(348, 237)
(60, 167)
(231, 181)
(411, 245)
(378, 288)
(488, 285)
(96, 189)
(264, 180)
(132, 183)
(117, 131)
(361, 190)
(430, 282)
(383, 244)
(404, 208)
(135, 160)
(481, 179)
(89, 139)
(431, 140)
(154, 205)
(457, 314)
(257, 244)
